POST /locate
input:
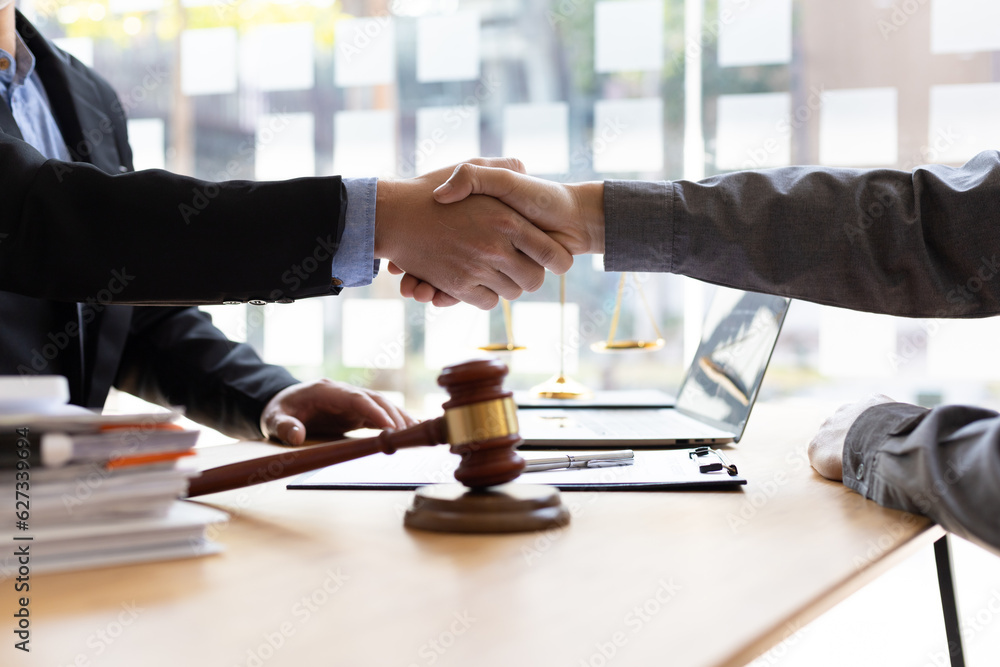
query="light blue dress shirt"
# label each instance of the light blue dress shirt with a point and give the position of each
(25, 96)
(354, 263)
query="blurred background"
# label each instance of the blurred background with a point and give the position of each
(648, 89)
(582, 90)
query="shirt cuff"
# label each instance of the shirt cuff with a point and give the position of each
(870, 435)
(354, 263)
(638, 226)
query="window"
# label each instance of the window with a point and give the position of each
(224, 89)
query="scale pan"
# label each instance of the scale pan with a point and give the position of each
(502, 347)
(628, 345)
(561, 387)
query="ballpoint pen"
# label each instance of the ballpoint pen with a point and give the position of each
(623, 457)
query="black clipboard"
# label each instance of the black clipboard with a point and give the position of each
(652, 470)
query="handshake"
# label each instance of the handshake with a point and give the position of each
(487, 231)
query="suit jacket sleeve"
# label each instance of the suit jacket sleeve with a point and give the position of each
(72, 232)
(944, 463)
(176, 357)
(920, 244)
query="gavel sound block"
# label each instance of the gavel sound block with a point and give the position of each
(480, 424)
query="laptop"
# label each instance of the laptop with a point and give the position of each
(714, 400)
(616, 398)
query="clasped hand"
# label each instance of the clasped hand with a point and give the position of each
(484, 247)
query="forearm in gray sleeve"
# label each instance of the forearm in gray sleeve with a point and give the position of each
(920, 244)
(943, 463)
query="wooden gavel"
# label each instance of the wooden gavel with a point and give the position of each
(479, 422)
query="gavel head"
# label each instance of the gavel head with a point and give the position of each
(481, 420)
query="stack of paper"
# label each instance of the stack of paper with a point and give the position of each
(93, 490)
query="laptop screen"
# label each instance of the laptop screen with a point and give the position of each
(738, 336)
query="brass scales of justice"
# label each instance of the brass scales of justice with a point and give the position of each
(560, 386)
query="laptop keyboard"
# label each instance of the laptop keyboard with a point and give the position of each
(640, 424)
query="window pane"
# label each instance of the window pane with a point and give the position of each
(955, 350)
(364, 143)
(452, 335)
(278, 57)
(230, 319)
(755, 33)
(853, 344)
(372, 334)
(446, 135)
(366, 52)
(81, 48)
(538, 134)
(536, 326)
(963, 26)
(208, 61)
(628, 135)
(285, 147)
(858, 128)
(146, 137)
(751, 133)
(963, 121)
(628, 36)
(448, 47)
(293, 333)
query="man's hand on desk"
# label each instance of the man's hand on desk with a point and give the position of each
(826, 449)
(572, 215)
(475, 251)
(327, 408)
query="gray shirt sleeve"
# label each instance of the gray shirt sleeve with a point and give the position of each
(920, 244)
(943, 463)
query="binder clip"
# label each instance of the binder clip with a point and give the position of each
(721, 462)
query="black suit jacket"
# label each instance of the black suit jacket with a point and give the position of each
(94, 232)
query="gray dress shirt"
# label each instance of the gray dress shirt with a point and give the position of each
(915, 244)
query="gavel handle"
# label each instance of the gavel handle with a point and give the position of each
(293, 462)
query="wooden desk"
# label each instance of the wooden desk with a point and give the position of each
(332, 578)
